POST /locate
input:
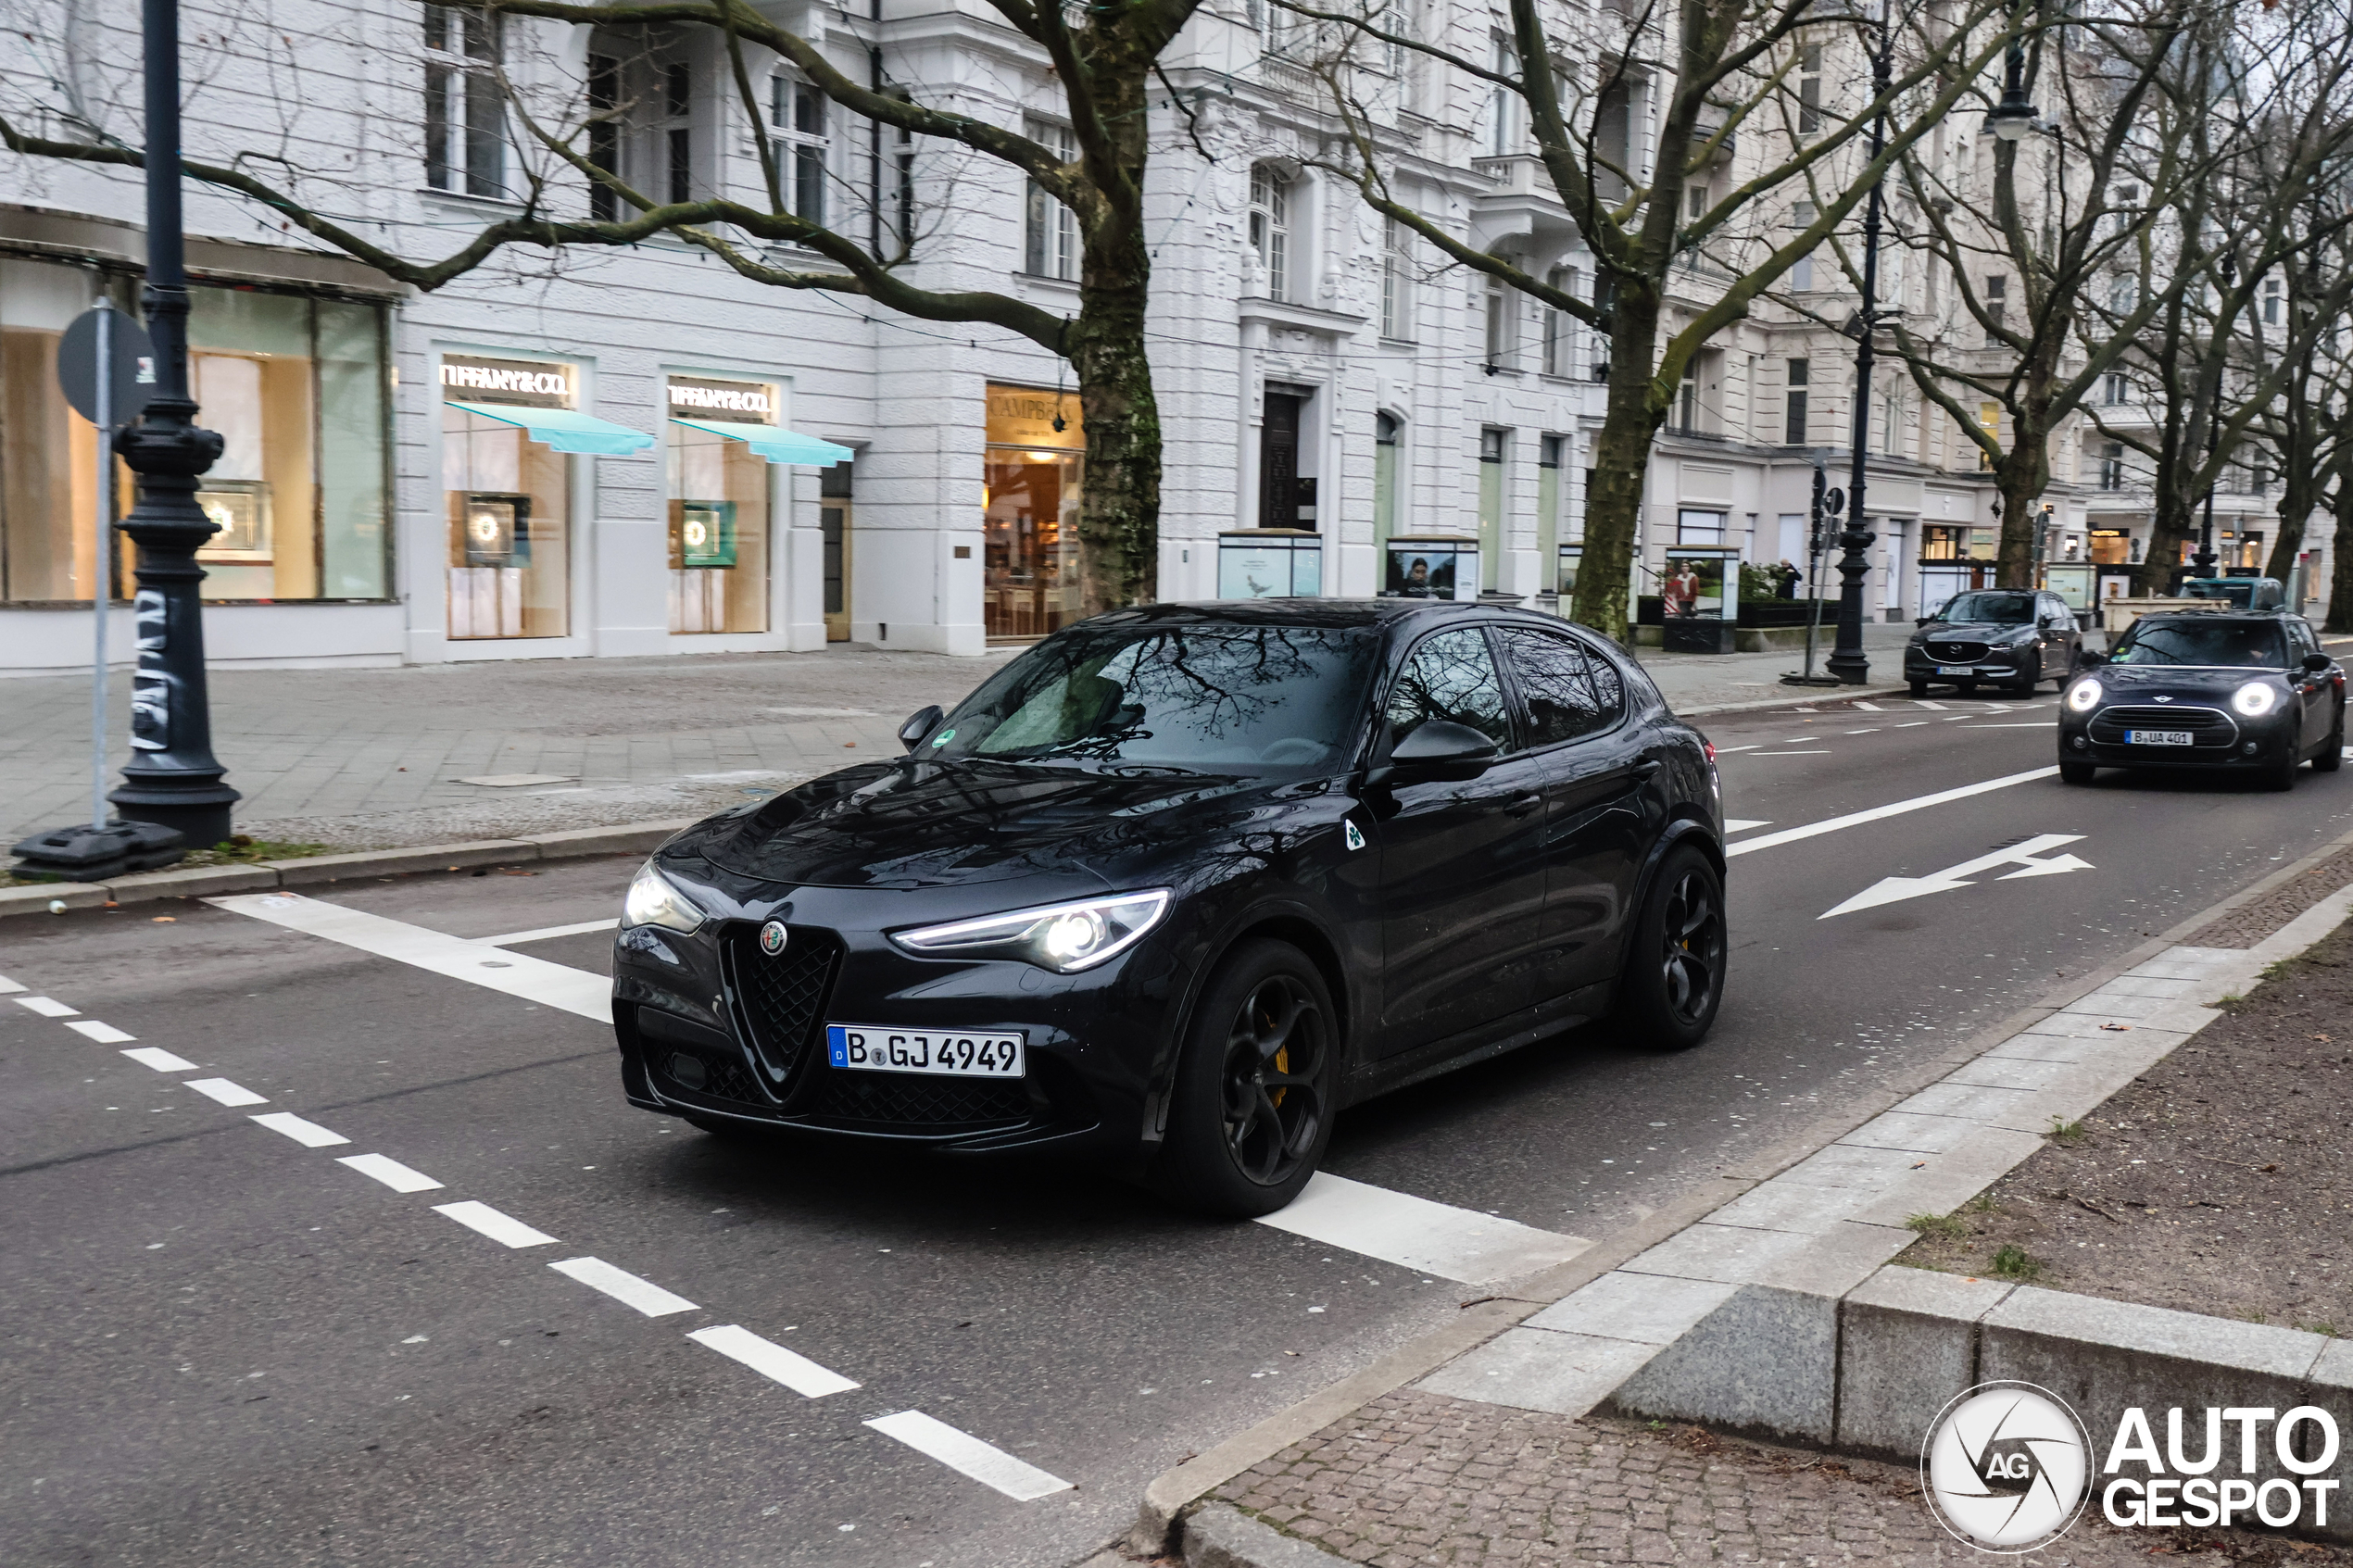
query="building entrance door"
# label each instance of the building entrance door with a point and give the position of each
(833, 516)
(1278, 461)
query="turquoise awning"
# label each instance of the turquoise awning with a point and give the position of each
(776, 444)
(562, 429)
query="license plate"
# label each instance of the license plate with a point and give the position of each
(2159, 737)
(1955, 669)
(866, 1048)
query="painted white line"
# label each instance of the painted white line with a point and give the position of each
(504, 1229)
(1914, 723)
(390, 1171)
(1873, 730)
(1741, 824)
(1893, 808)
(988, 1465)
(1957, 718)
(1728, 751)
(624, 1287)
(1923, 702)
(1821, 752)
(224, 1091)
(105, 1033)
(47, 1008)
(772, 1360)
(1869, 706)
(9, 987)
(307, 1134)
(1434, 1239)
(548, 932)
(161, 1061)
(2029, 724)
(517, 974)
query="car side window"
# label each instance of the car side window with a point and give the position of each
(1452, 676)
(1568, 691)
(2300, 641)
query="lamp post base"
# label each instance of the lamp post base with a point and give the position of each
(1850, 671)
(200, 816)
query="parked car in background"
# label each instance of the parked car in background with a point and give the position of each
(2016, 638)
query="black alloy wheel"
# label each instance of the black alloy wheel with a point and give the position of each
(2030, 675)
(2331, 755)
(1673, 978)
(1252, 1108)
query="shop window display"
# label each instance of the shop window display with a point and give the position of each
(719, 507)
(510, 501)
(1031, 483)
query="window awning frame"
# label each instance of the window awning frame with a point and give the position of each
(773, 442)
(564, 430)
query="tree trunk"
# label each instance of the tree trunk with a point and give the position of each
(2341, 571)
(2295, 511)
(1119, 493)
(1622, 459)
(2020, 482)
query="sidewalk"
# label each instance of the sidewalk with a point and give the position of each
(373, 759)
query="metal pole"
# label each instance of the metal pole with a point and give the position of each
(1814, 569)
(1847, 659)
(101, 584)
(172, 779)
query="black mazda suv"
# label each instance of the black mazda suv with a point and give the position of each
(1178, 884)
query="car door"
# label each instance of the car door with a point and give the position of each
(1592, 771)
(1462, 876)
(2317, 693)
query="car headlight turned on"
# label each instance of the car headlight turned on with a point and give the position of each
(2083, 696)
(1061, 937)
(2254, 700)
(651, 900)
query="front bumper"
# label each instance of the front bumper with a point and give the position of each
(2222, 739)
(708, 1026)
(1998, 664)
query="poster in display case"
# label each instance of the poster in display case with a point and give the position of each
(240, 509)
(498, 529)
(1433, 567)
(703, 534)
(1701, 591)
(2072, 581)
(1268, 563)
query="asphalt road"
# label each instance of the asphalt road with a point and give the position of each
(218, 1345)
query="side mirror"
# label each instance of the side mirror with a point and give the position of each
(1440, 749)
(2091, 658)
(1922, 619)
(2317, 663)
(919, 723)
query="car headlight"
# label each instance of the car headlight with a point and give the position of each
(2082, 696)
(652, 900)
(2254, 700)
(1062, 937)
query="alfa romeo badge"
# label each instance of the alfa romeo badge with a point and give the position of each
(772, 937)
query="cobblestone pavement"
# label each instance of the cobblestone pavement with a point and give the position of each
(371, 758)
(1416, 1478)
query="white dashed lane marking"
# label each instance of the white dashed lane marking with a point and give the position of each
(161, 1061)
(9, 987)
(105, 1033)
(1435, 1239)
(307, 1134)
(772, 1360)
(504, 1229)
(224, 1091)
(47, 1008)
(390, 1171)
(517, 974)
(624, 1287)
(989, 1465)
(1741, 824)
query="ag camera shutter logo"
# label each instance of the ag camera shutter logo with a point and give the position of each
(2007, 1467)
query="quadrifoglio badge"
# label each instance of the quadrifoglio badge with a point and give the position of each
(2007, 1467)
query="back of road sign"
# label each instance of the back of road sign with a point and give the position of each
(134, 367)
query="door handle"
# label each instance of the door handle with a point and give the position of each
(1647, 769)
(1523, 805)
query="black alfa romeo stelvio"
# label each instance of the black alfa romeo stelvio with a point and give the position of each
(1176, 884)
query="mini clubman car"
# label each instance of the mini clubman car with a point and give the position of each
(2252, 692)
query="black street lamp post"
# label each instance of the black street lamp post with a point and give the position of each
(2202, 560)
(1847, 660)
(172, 779)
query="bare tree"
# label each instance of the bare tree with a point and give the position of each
(1726, 75)
(1101, 60)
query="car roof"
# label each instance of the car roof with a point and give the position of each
(2238, 618)
(1322, 612)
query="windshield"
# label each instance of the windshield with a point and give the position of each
(2240, 591)
(2207, 643)
(2002, 609)
(1207, 698)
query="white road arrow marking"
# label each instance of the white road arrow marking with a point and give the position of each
(1895, 889)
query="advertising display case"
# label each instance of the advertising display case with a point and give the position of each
(1701, 589)
(721, 483)
(1270, 563)
(1431, 566)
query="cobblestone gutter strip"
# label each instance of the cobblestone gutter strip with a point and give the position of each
(55, 897)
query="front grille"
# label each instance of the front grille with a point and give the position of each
(2212, 726)
(784, 997)
(912, 1099)
(1958, 653)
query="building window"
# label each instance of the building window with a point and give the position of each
(1552, 454)
(1699, 528)
(1687, 399)
(1050, 230)
(678, 133)
(1503, 327)
(2272, 298)
(797, 110)
(604, 133)
(1270, 228)
(1794, 408)
(1502, 103)
(2112, 388)
(1389, 434)
(1559, 351)
(297, 388)
(465, 123)
(719, 505)
(509, 499)
(1989, 419)
(1494, 447)
(1396, 281)
(1809, 90)
(1801, 274)
(1997, 305)
(1029, 491)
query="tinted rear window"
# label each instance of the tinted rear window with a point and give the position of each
(1208, 698)
(2210, 643)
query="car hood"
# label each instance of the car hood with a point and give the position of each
(2146, 682)
(1971, 631)
(905, 824)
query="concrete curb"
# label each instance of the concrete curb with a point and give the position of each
(1707, 1312)
(197, 882)
(1220, 1536)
